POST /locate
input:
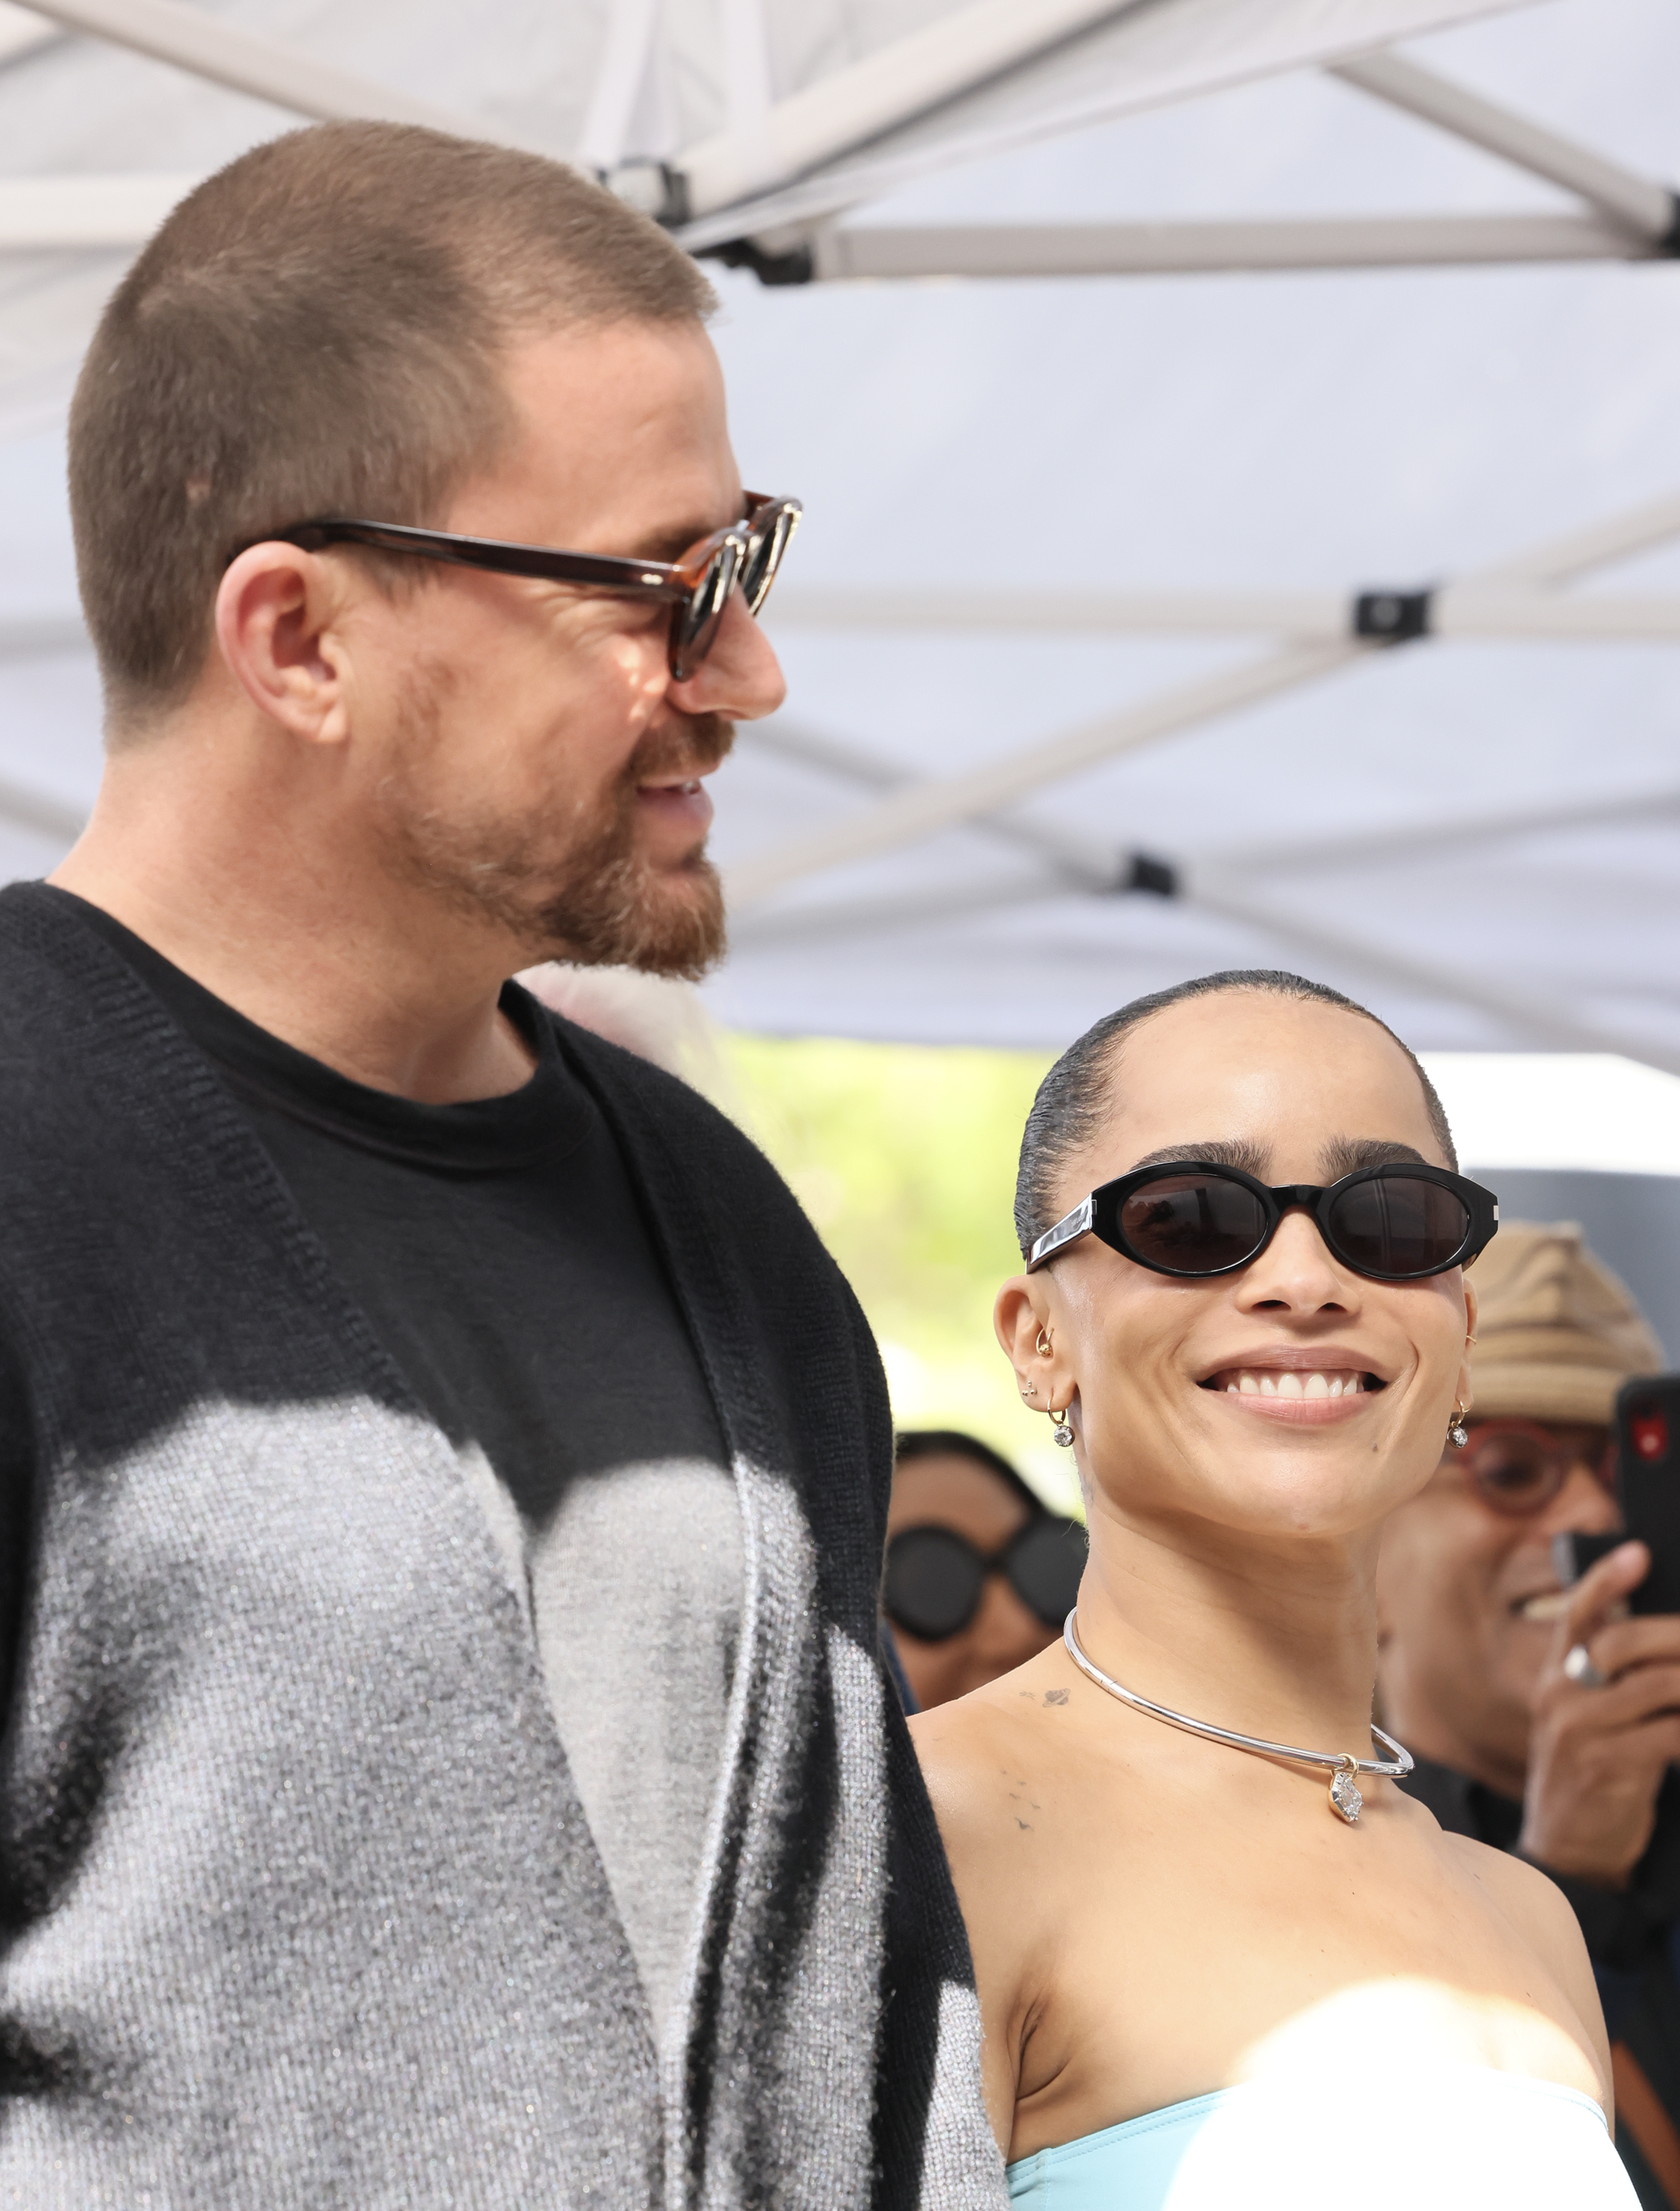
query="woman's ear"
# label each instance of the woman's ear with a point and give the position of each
(1025, 1328)
(1466, 1396)
(276, 614)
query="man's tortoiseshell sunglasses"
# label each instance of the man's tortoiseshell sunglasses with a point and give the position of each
(698, 583)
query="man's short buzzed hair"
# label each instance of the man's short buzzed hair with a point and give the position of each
(318, 330)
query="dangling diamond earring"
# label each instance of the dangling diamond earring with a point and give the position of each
(1456, 1434)
(1060, 1427)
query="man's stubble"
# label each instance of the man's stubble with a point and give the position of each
(593, 900)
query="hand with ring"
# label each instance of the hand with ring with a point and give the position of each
(1606, 1727)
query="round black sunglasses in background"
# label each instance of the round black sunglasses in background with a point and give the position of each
(1394, 1223)
(935, 1578)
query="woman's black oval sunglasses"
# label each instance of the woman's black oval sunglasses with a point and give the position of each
(935, 1578)
(698, 581)
(1394, 1223)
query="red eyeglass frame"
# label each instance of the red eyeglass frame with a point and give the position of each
(1560, 1461)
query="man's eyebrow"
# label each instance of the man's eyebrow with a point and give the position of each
(670, 544)
(1216, 1152)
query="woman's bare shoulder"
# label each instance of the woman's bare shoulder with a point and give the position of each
(1529, 1900)
(979, 1753)
(1532, 1903)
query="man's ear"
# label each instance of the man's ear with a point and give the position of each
(276, 613)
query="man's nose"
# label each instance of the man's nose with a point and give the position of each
(1583, 1506)
(740, 678)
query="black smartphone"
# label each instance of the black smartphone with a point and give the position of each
(1647, 1436)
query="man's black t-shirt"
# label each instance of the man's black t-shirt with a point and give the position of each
(499, 1253)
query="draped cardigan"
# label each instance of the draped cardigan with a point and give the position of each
(299, 1906)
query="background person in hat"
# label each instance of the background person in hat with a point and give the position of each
(1476, 1630)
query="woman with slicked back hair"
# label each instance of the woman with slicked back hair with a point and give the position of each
(1223, 1960)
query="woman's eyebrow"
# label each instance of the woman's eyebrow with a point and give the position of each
(1213, 1151)
(1342, 1155)
(1346, 1155)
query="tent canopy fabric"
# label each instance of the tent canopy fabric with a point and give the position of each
(1092, 686)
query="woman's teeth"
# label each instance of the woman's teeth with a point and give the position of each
(1286, 1383)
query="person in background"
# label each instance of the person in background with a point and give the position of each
(1517, 1743)
(980, 1574)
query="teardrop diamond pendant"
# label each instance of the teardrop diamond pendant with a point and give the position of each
(1344, 1796)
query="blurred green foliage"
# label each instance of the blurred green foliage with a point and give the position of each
(904, 1158)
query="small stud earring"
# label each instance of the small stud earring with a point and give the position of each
(1456, 1434)
(1029, 1388)
(1060, 1426)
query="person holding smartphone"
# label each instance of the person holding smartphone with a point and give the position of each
(1541, 1722)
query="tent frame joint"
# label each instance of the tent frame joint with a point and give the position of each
(1154, 877)
(1392, 617)
(797, 265)
(651, 187)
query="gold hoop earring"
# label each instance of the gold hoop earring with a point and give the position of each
(1060, 1427)
(1042, 1346)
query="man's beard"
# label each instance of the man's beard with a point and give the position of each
(596, 900)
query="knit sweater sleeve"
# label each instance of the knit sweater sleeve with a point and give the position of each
(17, 1488)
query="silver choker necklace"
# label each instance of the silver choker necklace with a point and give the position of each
(1345, 1800)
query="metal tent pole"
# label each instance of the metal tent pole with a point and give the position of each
(1079, 866)
(1530, 1017)
(25, 637)
(922, 809)
(1216, 888)
(1461, 611)
(1076, 863)
(37, 811)
(870, 252)
(23, 30)
(893, 85)
(86, 214)
(243, 61)
(1634, 216)
(1632, 202)
(942, 802)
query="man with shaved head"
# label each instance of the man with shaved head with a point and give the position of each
(446, 1756)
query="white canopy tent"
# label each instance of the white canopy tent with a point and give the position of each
(1033, 760)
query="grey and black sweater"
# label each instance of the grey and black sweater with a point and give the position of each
(297, 1904)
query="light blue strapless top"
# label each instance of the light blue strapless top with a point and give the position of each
(1455, 2138)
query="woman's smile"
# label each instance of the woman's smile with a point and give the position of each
(1301, 1388)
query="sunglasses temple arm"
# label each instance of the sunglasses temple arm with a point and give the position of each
(1076, 1223)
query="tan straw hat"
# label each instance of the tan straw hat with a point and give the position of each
(1556, 1333)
